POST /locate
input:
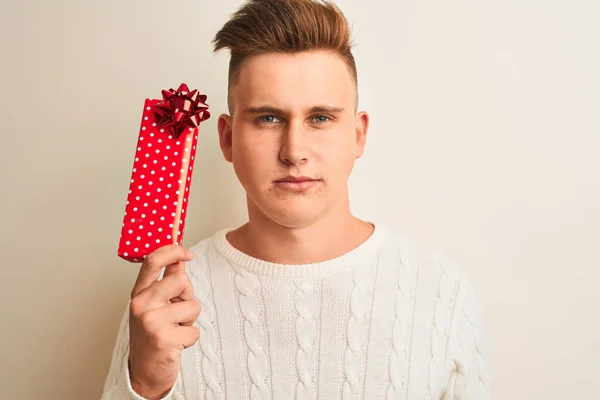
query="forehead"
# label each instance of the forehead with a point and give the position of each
(293, 81)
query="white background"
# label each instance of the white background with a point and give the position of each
(483, 146)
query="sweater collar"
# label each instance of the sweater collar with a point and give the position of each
(365, 250)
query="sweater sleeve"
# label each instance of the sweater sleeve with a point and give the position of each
(468, 348)
(117, 385)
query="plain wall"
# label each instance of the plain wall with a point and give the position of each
(483, 146)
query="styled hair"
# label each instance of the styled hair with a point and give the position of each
(284, 26)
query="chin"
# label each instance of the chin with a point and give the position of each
(293, 216)
(293, 211)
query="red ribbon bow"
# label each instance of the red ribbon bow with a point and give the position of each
(181, 110)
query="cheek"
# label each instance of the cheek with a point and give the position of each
(338, 155)
(251, 163)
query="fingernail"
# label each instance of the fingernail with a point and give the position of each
(190, 253)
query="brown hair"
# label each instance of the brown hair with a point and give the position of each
(285, 26)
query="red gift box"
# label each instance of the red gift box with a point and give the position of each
(162, 172)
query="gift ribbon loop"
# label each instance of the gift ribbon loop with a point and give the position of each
(181, 110)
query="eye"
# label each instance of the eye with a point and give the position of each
(268, 119)
(320, 119)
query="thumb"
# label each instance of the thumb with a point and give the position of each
(175, 267)
(171, 269)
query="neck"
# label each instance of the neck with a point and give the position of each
(333, 234)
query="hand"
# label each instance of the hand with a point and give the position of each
(161, 318)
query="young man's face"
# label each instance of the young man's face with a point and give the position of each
(293, 115)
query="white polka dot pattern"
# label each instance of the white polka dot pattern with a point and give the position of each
(158, 189)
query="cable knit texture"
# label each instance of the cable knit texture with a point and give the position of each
(305, 306)
(357, 331)
(387, 320)
(404, 309)
(208, 365)
(246, 285)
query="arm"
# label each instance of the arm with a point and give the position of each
(118, 382)
(468, 348)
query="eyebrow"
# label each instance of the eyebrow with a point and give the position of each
(275, 110)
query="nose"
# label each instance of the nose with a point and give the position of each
(294, 147)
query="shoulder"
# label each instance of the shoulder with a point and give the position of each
(204, 246)
(433, 270)
(201, 247)
(438, 279)
(416, 255)
(204, 252)
(441, 278)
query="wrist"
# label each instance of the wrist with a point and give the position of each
(149, 394)
(145, 391)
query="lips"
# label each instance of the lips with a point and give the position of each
(296, 179)
(297, 184)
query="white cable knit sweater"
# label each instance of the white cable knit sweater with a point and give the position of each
(387, 320)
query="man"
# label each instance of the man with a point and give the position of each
(304, 300)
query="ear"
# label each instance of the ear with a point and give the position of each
(224, 127)
(362, 127)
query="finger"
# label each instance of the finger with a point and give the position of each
(154, 262)
(174, 285)
(186, 336)
(191, 315)
(171, 269)
(182, 313)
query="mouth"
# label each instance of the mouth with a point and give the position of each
(295, 179)
(296, 183)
